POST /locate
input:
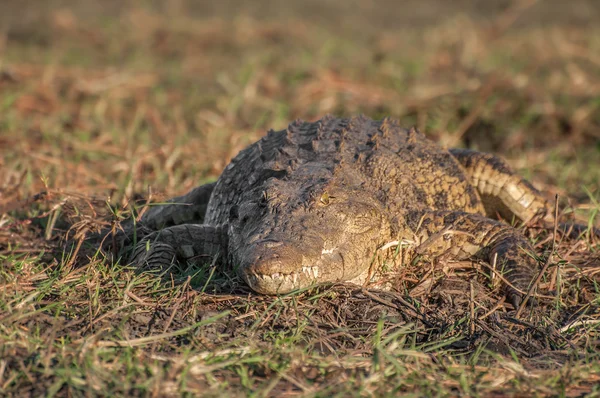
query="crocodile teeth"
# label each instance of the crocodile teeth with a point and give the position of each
(312, 272)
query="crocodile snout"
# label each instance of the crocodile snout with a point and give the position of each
(272, 267)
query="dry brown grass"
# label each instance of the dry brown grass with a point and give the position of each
(94, 111)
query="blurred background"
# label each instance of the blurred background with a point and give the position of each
(110, 97)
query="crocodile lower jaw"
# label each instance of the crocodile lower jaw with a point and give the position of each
(278, 283)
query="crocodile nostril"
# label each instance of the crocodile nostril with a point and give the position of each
(264, 260)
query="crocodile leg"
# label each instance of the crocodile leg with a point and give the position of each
(508, 194)
(501, 190)
(179, 243)
(466, 235)
(185, 209)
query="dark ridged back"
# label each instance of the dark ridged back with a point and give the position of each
(399, 167)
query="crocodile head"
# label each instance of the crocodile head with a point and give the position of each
(295, 235)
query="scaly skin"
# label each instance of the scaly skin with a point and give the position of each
(315, 202)
(502, 191)
(186, 209)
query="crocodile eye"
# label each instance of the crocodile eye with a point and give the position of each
(324, 199)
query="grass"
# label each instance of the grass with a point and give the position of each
(144, 103)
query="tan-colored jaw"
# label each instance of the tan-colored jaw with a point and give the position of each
(278, 283)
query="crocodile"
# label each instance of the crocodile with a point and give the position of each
(335, 200)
